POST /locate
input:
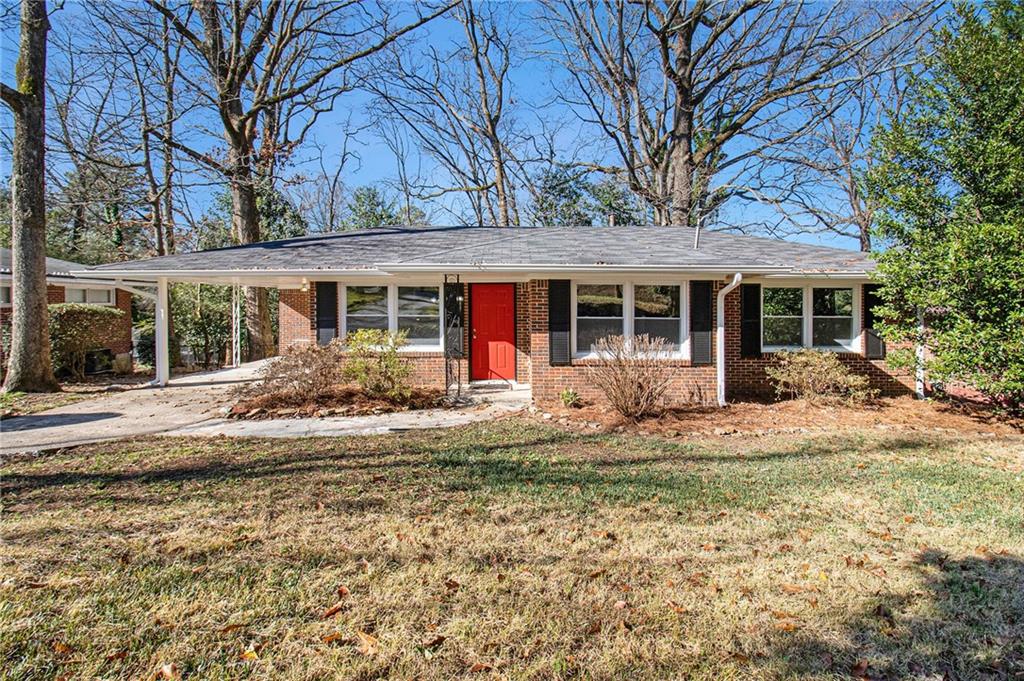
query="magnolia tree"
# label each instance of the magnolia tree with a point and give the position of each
(951, 217)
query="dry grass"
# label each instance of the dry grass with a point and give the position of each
(515, 550)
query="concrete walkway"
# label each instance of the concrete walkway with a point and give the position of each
(140, 410)
(191, 406)
(336, 426)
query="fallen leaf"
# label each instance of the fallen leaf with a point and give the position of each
(119, 655)
(333, 610)
(231, 627)
(785, 548)
(62, 648)
(781, 615)
(249, 655)
(792, 588)
(605, 534)
(860, 669)
(621, 605)
(805, 534)
(368, 644)
(451, 584)
(343, 591)
(594, 629)
(710, 547)
(432, 643)
(908, 519)
(676, 608)
(331, 637)
(596, 573)
(787, 625)
(477, 667)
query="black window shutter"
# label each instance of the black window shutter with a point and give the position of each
(701, 316)
(454, 321)
(326, 311)
(875, 343)
(750, 320)
(559, 302)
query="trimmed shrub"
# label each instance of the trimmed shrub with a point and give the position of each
(75, 330)
(632, 374)
(818, 377)
(310, 372)
(374, 363)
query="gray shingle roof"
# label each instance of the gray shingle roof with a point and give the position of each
(473, 247)
(55, 267)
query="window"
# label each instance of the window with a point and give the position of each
(93, 296)
(413, 309)
(657, 312)
(5, 295)
(366, 307)
(809, 316)
(598, 313)
(783, 311)
(419, 314)
(832, 317)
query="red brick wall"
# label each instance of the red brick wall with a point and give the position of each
(688, 384)
(745, 376)
(119, 342)
(296, 317)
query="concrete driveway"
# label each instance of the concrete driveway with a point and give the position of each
(185, 401)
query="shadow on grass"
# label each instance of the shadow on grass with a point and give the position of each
(968, 623)
(536, 461)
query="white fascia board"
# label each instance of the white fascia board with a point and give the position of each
(797, 274)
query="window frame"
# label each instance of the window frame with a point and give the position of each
(10, 295)
(629, 312)
(807, 316)
(392, 307)
(111, 295)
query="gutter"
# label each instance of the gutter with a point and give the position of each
(720, 337)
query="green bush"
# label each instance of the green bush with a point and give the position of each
(76, 329)
(375, 364)
(570, 397)
(818, 377)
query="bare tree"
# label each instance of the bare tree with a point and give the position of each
(29, 366)
(815, 184)
(457, 106)
(688, 96)
(267, 65)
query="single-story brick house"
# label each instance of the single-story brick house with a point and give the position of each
(525, 304)
(63, 287)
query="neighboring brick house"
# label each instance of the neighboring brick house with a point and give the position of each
(63, 287)
(524, 305)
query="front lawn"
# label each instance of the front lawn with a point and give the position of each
(517, 550)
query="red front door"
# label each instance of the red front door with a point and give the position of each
(492, 348)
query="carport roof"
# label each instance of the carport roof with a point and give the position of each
(524, 249)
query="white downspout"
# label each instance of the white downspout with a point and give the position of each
(720, 336)
(163, 369)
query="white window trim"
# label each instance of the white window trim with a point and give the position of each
(629, 312)
(392, 303)
(111, 291)
(807, 318)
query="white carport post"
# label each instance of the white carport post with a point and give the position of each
(163, 369)
(720, 337)
(236, 326)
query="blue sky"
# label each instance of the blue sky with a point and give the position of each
(535, 81)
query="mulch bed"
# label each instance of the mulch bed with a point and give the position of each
(341, 401)
(794, 416)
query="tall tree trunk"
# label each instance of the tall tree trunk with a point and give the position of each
(245, 224)
(29, 369)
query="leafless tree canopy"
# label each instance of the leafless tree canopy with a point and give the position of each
(690, 96)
